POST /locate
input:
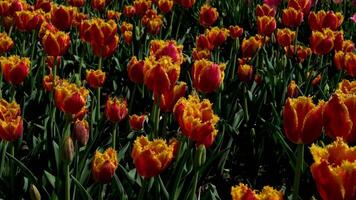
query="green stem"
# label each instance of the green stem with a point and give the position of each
(143, 189)
(297, 173)
(114, 134)
(157, 115)
(12, 169)
(247, 117)
(192, 195)
(33, 38)
(1, 84)
(98, 92)
(67, 181)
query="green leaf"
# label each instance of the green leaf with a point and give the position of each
(81, 187)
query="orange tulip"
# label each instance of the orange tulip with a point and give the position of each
(127, 35)
(29, 20)
(236, 31)
(98, 4)
(302, 52)
(185, 3)
(47, 82)
(266, 25)
(217, 36)
(199, 54)
(55, 44)
(6, 43)
(334, 170)
(125, 26)
(339, 60)
(76, 3)
(50, 61)
(15, 69)
(348, 46)
(116, 109)
(208, 15)
(196, 119)
(5, 8)
(250, 46)
(350, 63)
(165, 6)
(285, 37)
(46, 27)
(302, 120)
(63, 16)
(11, 123)
(135, 70)
(70, 98)
(347, 87)
(114, 15)
(202, 42)
(316, 80)
(45, 5)
(322, 43)
(129, 11)
(169, 48)
(95, 78)
(243, 192)
(207, 76)
(17, 5)
(292, 90)
(81, 131)
(320, 20)
(151, 157)
(291, 17)
(141, 6)
(152, 21)
(136, 122)
(245, 72)
(170, 98)
(302, 5)
(104, 165)
(265, 10)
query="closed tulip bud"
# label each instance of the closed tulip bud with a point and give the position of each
(165, 6)
(5, 8)
(202, 42)
(338, 40)
(116, 109)
(76, 3)
(258, 79)
(236, 31)
(316, 80)
(104, 165)
(292, 90)
(114, 15)
(322, 43)
(81, 131)
(196, 119)
(266, 25)
(95, 78)
(70, 98)
(285, 37)
(291, 17)
(245, 73)
(98, 4)
(334, 170)
(15, 69)
(207, 76)
(141, 6)
(34, 193)
(243, 192)
(339, 60)
(200, 156)
(302, 120)
(129, 11)
(6, 43)
(208, 15)
(47, 82)
(45, 5)
(136, 122)
(170, 98)
(250, 46)
(62, 16)
(217, 36)
(125, 26)
(128, 37)
(11, 123)
(56, 44)
(350, 64)
(185, 3)
(151, 157)
(303, 5)
(199, 54)
(68, 150)
(135, 70)
(265, 10)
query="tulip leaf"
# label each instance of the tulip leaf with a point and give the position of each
(50, 178)
(81, 187)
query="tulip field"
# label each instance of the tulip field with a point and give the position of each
(178, 99)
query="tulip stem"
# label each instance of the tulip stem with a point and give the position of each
(1, 84)
(12, 168)
(114, 134)
(156, 116)
(143, 189)
(98, 91)
(247, 117)
(297, 173)
(192, 195)
(67, 182)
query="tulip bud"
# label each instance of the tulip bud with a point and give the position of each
(316, 80)
(208, 15)
(104, 165)
(136, 122)
(34, 193)
(245, 72)
(68, 149)
(81, 131)
(292, 90)
(200, 156)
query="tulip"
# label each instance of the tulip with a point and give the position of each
(338, 40)
(11, 123)
(285, 37)
(55, 44)
(202, 42)
(316, 80)
(170, 48)
(199, 54)
(185, 3)
(302, 52)
(347, 87)
(320, 20)
(76, 3)
(29, 20)
(165, 6)
(348, 46)
(68, 150)
(250, 46)
(266, 25)
(302, 5)
(208, 15)
(98, 4)
(170, 98)
(291, 17)
(243, 192)
(114, 15)
(207, 76)
(81, 131)
(245, 72)
(217, 36)
(6, 43)
(322, 43)
(63, 16)
(104, 165)
(5, 8)
(129, 11)
(135, 70)
(50, 61)
(151, 157)
(15, 69)
(95, 78)
(116, 109)
(339, 60)
(265, 10)
(46, 27)
(236, 31)
(272, 3)
(152, 21)
(141, 6)
(196, 119)
(136, 122)
(127, 37)
(70, 98)
(45, 5)
(17, 5)
(353, 17)
(302, 120)
(350, 64)
(125, 26)
(47, 82)
(292, 90)
(334, 170)
(79, 18)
